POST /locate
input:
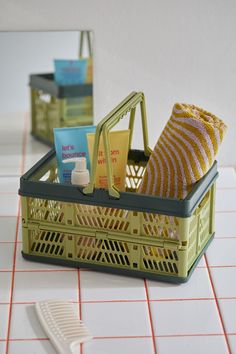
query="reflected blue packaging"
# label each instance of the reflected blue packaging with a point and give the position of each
(70, 72)
(71, 143)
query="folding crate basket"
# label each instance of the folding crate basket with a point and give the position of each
(54, 105)
(125, 233)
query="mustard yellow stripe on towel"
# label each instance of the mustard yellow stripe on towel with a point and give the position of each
(184, 152)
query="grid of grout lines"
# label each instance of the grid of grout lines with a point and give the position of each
(152, 336)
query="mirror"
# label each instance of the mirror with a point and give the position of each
(33, 99)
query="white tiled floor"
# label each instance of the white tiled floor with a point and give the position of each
(226, 225)
(4, 310)
(5, 281)
(118, 346)
(199, 286)
(34, 347)
(228, 307)
(6, 256)
(8, 204)
(127, 319)
(48, 285)
(232, 340)
(193, 345)
(125, 315)
(7, 228)
(25, 314)
(223, 278)
(222, 252)
(225, 200)
(105, 287)
(185, 317)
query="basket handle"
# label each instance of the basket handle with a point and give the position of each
(127, 105)
(81, 43)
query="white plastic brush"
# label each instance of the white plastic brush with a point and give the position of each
(62, 325)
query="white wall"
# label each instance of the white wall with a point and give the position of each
(172, 50)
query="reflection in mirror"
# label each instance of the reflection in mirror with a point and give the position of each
(47, 82)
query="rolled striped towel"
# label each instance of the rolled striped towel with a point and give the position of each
(184, 152)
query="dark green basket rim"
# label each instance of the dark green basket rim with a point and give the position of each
(128, 201)
(47, 84)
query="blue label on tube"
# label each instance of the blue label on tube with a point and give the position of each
(70, 72)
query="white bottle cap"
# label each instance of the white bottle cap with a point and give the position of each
(80, 164)
(80, 174)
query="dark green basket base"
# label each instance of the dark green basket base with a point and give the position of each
(112, 270)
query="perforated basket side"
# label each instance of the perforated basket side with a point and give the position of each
(201, 226)
(111, 246)
(77, 111)
(45, 114)
(49, 111)
(102, 251)
(187, 232)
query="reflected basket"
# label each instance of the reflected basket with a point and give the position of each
(54, 106)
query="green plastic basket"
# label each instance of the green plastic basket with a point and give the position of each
(125, 233)
(55, 106)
